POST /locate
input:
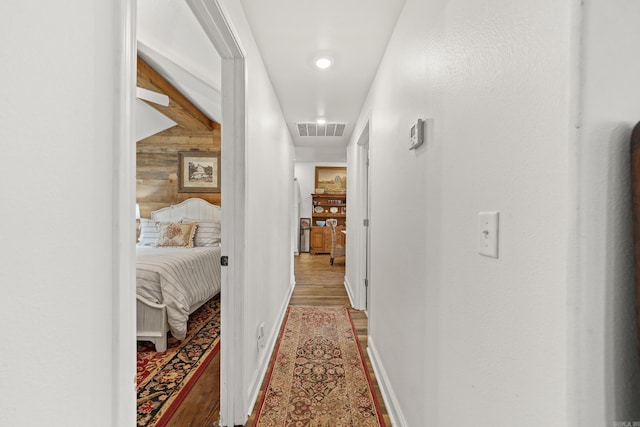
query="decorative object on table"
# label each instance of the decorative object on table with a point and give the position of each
(333, 209)
(320, 359)
(165, 378)
(318, 209)
(321, 223)
(199, 172)
(331, 179)
(319, 190)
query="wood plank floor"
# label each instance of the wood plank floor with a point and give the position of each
(201, 407)
(317, 283)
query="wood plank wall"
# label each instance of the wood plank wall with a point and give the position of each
(157, 166)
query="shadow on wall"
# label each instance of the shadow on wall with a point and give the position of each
(622, 351)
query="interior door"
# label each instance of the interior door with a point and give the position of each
(367, 263)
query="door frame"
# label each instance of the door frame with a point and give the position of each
(212, 18)
(123, 398)
(361, 235)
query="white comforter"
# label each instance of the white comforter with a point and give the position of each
(181, 278)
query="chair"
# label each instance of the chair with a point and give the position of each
(336, 249)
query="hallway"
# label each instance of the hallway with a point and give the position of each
(320, 284)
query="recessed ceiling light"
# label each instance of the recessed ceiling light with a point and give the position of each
(323, 62)
(321, 121)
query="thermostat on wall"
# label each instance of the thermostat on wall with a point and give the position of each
(416, 134)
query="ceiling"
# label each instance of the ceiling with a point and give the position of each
(290, 34)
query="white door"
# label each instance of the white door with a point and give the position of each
(361, 236)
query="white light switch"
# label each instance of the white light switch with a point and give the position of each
(488, 234)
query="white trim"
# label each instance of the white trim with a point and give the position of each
(347, 286)
(388, 395)
(151, 96)
(124, 174)
(579, 338)
(232, 376)
(263, 362)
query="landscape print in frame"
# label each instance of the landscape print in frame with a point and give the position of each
(199, 172)
(332, 179)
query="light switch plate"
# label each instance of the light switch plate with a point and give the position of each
(488, 234)
(416, 134)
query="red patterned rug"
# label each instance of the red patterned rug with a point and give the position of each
(318, 377)
(164, 378)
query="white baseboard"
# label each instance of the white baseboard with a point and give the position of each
(347, 286)
(389, 396)
(263, 364)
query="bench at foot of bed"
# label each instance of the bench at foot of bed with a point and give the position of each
(151, 323)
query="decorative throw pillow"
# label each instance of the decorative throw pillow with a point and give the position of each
(149, 232)
(173, 234)
(207, 233)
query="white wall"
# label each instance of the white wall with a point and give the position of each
(458, 338)
(57, 283)
(58, 148)
(321, 154)
(269, 200)
(149, 121)
(602, 299)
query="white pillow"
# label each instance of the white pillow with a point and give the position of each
(207, 233)
(149, 232)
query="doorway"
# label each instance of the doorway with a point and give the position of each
(362, 225)
(215, 25)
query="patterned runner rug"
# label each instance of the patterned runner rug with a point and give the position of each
(318, 377)
(164, 379)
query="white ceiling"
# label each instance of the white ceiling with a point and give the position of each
(289, 35)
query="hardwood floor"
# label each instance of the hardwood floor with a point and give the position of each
(317, 283)
(201, 407)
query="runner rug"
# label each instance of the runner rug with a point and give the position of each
(164, 378)
(318, 377)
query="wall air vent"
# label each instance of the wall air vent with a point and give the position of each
(327, 129)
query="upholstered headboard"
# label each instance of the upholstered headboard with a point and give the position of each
(191, 208)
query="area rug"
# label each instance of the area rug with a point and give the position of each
(164, 378)
(318, 377)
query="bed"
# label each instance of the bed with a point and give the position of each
(172, 278)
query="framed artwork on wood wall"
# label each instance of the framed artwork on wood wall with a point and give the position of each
(331, 179)
(199, 172)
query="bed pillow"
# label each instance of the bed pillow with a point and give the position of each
(174, 234)
(207, 233)
(149, 232)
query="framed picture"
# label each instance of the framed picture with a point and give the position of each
(199, 172)
(331, 179)
(305, 223)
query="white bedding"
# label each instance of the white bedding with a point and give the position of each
(181, 278)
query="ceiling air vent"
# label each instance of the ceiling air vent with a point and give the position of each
(327, 129)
